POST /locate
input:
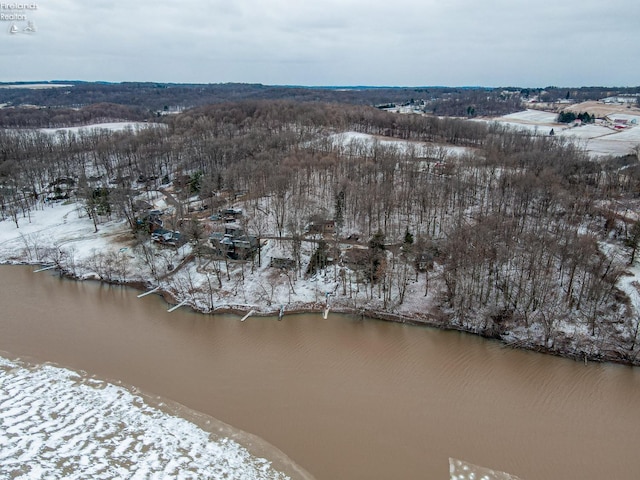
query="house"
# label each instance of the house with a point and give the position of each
(168, 237)
(622, 119)
(234, 243)
(424, 261)
(60, 189)
(149, 222)
(321, 226)
(234, 231)
(628, 99)
(231, 214)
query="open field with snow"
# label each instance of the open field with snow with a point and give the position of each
(616, 143)
(111, 126)
(359, 141)
(531, 116)
(599, 139)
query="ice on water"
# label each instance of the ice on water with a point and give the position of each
(461, 470)
(55, 423)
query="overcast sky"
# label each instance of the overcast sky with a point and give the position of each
(327, 42)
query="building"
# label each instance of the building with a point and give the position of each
(321, 226)
(234, 243)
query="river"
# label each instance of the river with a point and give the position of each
(344, 398)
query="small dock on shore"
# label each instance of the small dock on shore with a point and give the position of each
(175, 307)
(149, 292)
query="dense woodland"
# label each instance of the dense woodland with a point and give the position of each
(155, 96)
(81, 103)
(517, 234)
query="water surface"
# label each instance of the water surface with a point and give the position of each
(344, 398)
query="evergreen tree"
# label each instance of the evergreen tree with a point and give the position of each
(318, 259)
(339, 209)
(376, 255)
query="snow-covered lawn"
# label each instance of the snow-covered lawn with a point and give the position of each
(57, 225)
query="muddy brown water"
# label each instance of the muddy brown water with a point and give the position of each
(343, 397)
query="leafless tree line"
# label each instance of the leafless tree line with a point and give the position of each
(512, 227)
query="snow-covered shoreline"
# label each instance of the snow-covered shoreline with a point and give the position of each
(61, 235)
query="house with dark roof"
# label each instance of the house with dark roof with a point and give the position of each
(234, 243)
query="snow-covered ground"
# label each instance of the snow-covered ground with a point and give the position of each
(598, 139)
(626, 117)
(56, 226)
(585, 132)
(63, 234)
(55, 423)
(533, 116)
(111, 126)
(618, 143)
(421, 149)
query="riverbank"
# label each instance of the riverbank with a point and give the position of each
(319, 389)
(431, 321)
(61, 236)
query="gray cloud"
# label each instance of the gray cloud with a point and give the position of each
(330, 42)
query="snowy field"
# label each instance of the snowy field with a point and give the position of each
(55, 423)
(585, 132)
(597, 139)
(111, 126)
(357, 140)
(617, 144)
(532, 116)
